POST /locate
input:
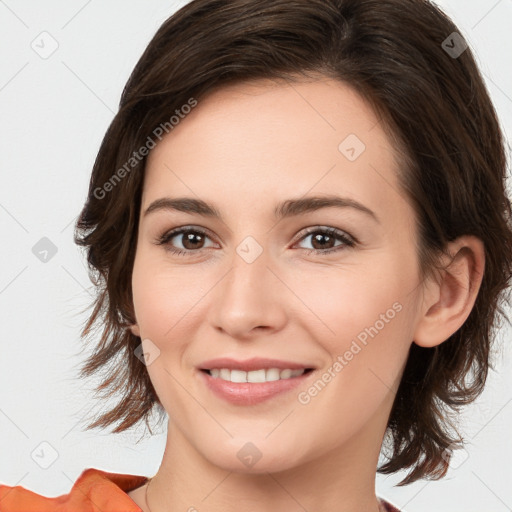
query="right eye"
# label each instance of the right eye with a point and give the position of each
(191, 239)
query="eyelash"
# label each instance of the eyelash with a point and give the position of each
(335, 233)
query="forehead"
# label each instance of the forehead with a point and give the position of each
(275, 140)
(272, 111)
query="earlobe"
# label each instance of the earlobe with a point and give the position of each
(134, 328)
(449, 301)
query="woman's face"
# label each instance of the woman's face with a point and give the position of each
(276, 275)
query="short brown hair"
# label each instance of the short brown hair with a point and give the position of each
(452, 169)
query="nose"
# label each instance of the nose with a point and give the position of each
(250, 299)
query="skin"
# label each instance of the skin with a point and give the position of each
(244, 149)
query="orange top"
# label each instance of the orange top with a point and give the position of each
(93, 491)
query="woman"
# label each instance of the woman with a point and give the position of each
(298, 225)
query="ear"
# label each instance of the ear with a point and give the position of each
(134, 328)
(448, 301)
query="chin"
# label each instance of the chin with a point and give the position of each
(253, 457)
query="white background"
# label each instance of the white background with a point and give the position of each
(54, 113)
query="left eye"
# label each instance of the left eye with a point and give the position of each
(325, 240)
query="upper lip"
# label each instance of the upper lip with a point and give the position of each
(256, 363)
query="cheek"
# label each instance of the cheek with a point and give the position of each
(366, 329)
(163, 296)
(363, 318)
(348, 301)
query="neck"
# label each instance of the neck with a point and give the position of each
(342, 479)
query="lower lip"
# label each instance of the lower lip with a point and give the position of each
(250, 393)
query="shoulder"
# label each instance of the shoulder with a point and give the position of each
(93, 490)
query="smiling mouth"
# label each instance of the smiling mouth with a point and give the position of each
(256, 376)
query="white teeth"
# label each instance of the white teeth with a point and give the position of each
(238, 376)
(286, 374)
(254, 376)
(272, 374)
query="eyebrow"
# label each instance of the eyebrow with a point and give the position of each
(288, 208)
